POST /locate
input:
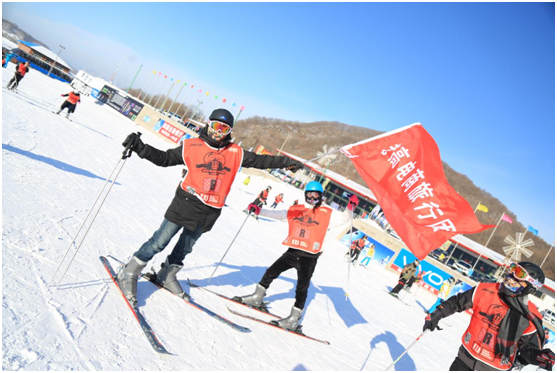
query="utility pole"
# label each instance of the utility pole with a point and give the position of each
(54, 63)
(134, 79)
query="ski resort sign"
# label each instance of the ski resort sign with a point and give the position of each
(170, 131)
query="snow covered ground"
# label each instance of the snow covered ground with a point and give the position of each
(52, 171)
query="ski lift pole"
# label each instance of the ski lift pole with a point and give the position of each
(405, 351)
(229, 246)
(125, 155)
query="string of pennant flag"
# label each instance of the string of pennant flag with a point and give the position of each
(505, 218)
(207, 93)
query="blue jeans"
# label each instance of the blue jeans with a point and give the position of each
(162, 237)
(366, 259)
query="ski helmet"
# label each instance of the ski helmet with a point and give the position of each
(417, 262)
(75, 92)
(452, 280)
(269, 188)
(313, 186)
(222, 115)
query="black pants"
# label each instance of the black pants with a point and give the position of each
(304, 265)
(459, 365)
(354, 254)
(411, 282)
(399, 286)
(69, 105)
(15, 80)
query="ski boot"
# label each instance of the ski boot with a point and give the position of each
(127, 279)
(393, 294)
(68, 115)
(166, 277)
(291, 322)
(255, 300)
(59, 111)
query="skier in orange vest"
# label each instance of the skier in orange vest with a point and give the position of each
(211, 164)
(20, 71)
(278, 199)
(307, 227)
(73, 98)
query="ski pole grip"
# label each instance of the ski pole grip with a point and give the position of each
(128, 151)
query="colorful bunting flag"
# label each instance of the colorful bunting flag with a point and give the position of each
(506, 218)
(535, 231)
(216, 97)
(242, 108)
(233, 104)
(154, 72)
(207, 94)
(224, 100)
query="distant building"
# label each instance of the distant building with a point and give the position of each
(42, 59)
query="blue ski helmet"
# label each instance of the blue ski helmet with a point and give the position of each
(314, 186)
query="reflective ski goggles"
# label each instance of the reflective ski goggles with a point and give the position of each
(521, 274)
(220, 127)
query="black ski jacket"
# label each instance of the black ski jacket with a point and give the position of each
(186, 209)
(528, 345)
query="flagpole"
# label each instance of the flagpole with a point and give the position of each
(181, 103)
(187, 111)
(477, 207)
(157, 85)
(150, 86)
(166, 98)
(499, 222)
(177, 94)
(158, 99)
(452, 252)
(546, 255)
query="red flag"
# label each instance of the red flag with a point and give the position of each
(224, 100)
(403, 169)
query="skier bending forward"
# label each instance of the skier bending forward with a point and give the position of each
(307, 227)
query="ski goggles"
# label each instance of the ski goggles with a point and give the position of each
(521, 274)
(313, 197)
(220, 127)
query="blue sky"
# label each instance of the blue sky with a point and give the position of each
(480, 77)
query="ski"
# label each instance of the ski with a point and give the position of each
(396, 296)
(242, 329)
(232, 300)
(151, 278)
(298, 333)
(151, 337)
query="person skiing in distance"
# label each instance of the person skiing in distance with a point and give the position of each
(7, 59)
(247, 180)
(278, 199)
(443, 294)
(356, 249)
(307, 228)
(408, 271)
(505, 328)
(20, 71)
(73, 98)
(262, 197)
(211, 164)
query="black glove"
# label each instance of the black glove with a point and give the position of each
(546, 359)
(292, 165)
(432, 321)
(135, 143)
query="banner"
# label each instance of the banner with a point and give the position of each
(374, 250)
(404, 171)
(170, 132)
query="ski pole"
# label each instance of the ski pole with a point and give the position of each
(405, 351)
(350, 256)
(229, 246)
(122, 160)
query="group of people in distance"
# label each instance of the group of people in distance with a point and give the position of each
(505, 328)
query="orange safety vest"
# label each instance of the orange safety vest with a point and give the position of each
(481, 336)
(210, 171)
(307, 227)
(73, 98)
(22, 69)
(278, 199)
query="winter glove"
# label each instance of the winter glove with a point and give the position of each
(254, 208)
(134, 142)
(432, 321)
(546, 359)
(353, 202)
(292, 165)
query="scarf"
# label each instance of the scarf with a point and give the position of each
(513, 325)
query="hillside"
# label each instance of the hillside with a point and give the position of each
(307, 139)
(13, 33)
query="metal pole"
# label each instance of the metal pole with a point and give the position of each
(229, 246)
(134, 78)
(149, 103)
(547, 254)
(150, 86)
(177, 94)
(188, 109)
(54, 63)
(499, 222)
(284, 143)
(476, 209)
(156, 103)
(168, 94)
(117, 67)
(405, 351)
(152, 81)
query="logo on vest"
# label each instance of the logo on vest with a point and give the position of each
(214, 164)
(494, 316)
(306, 220)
